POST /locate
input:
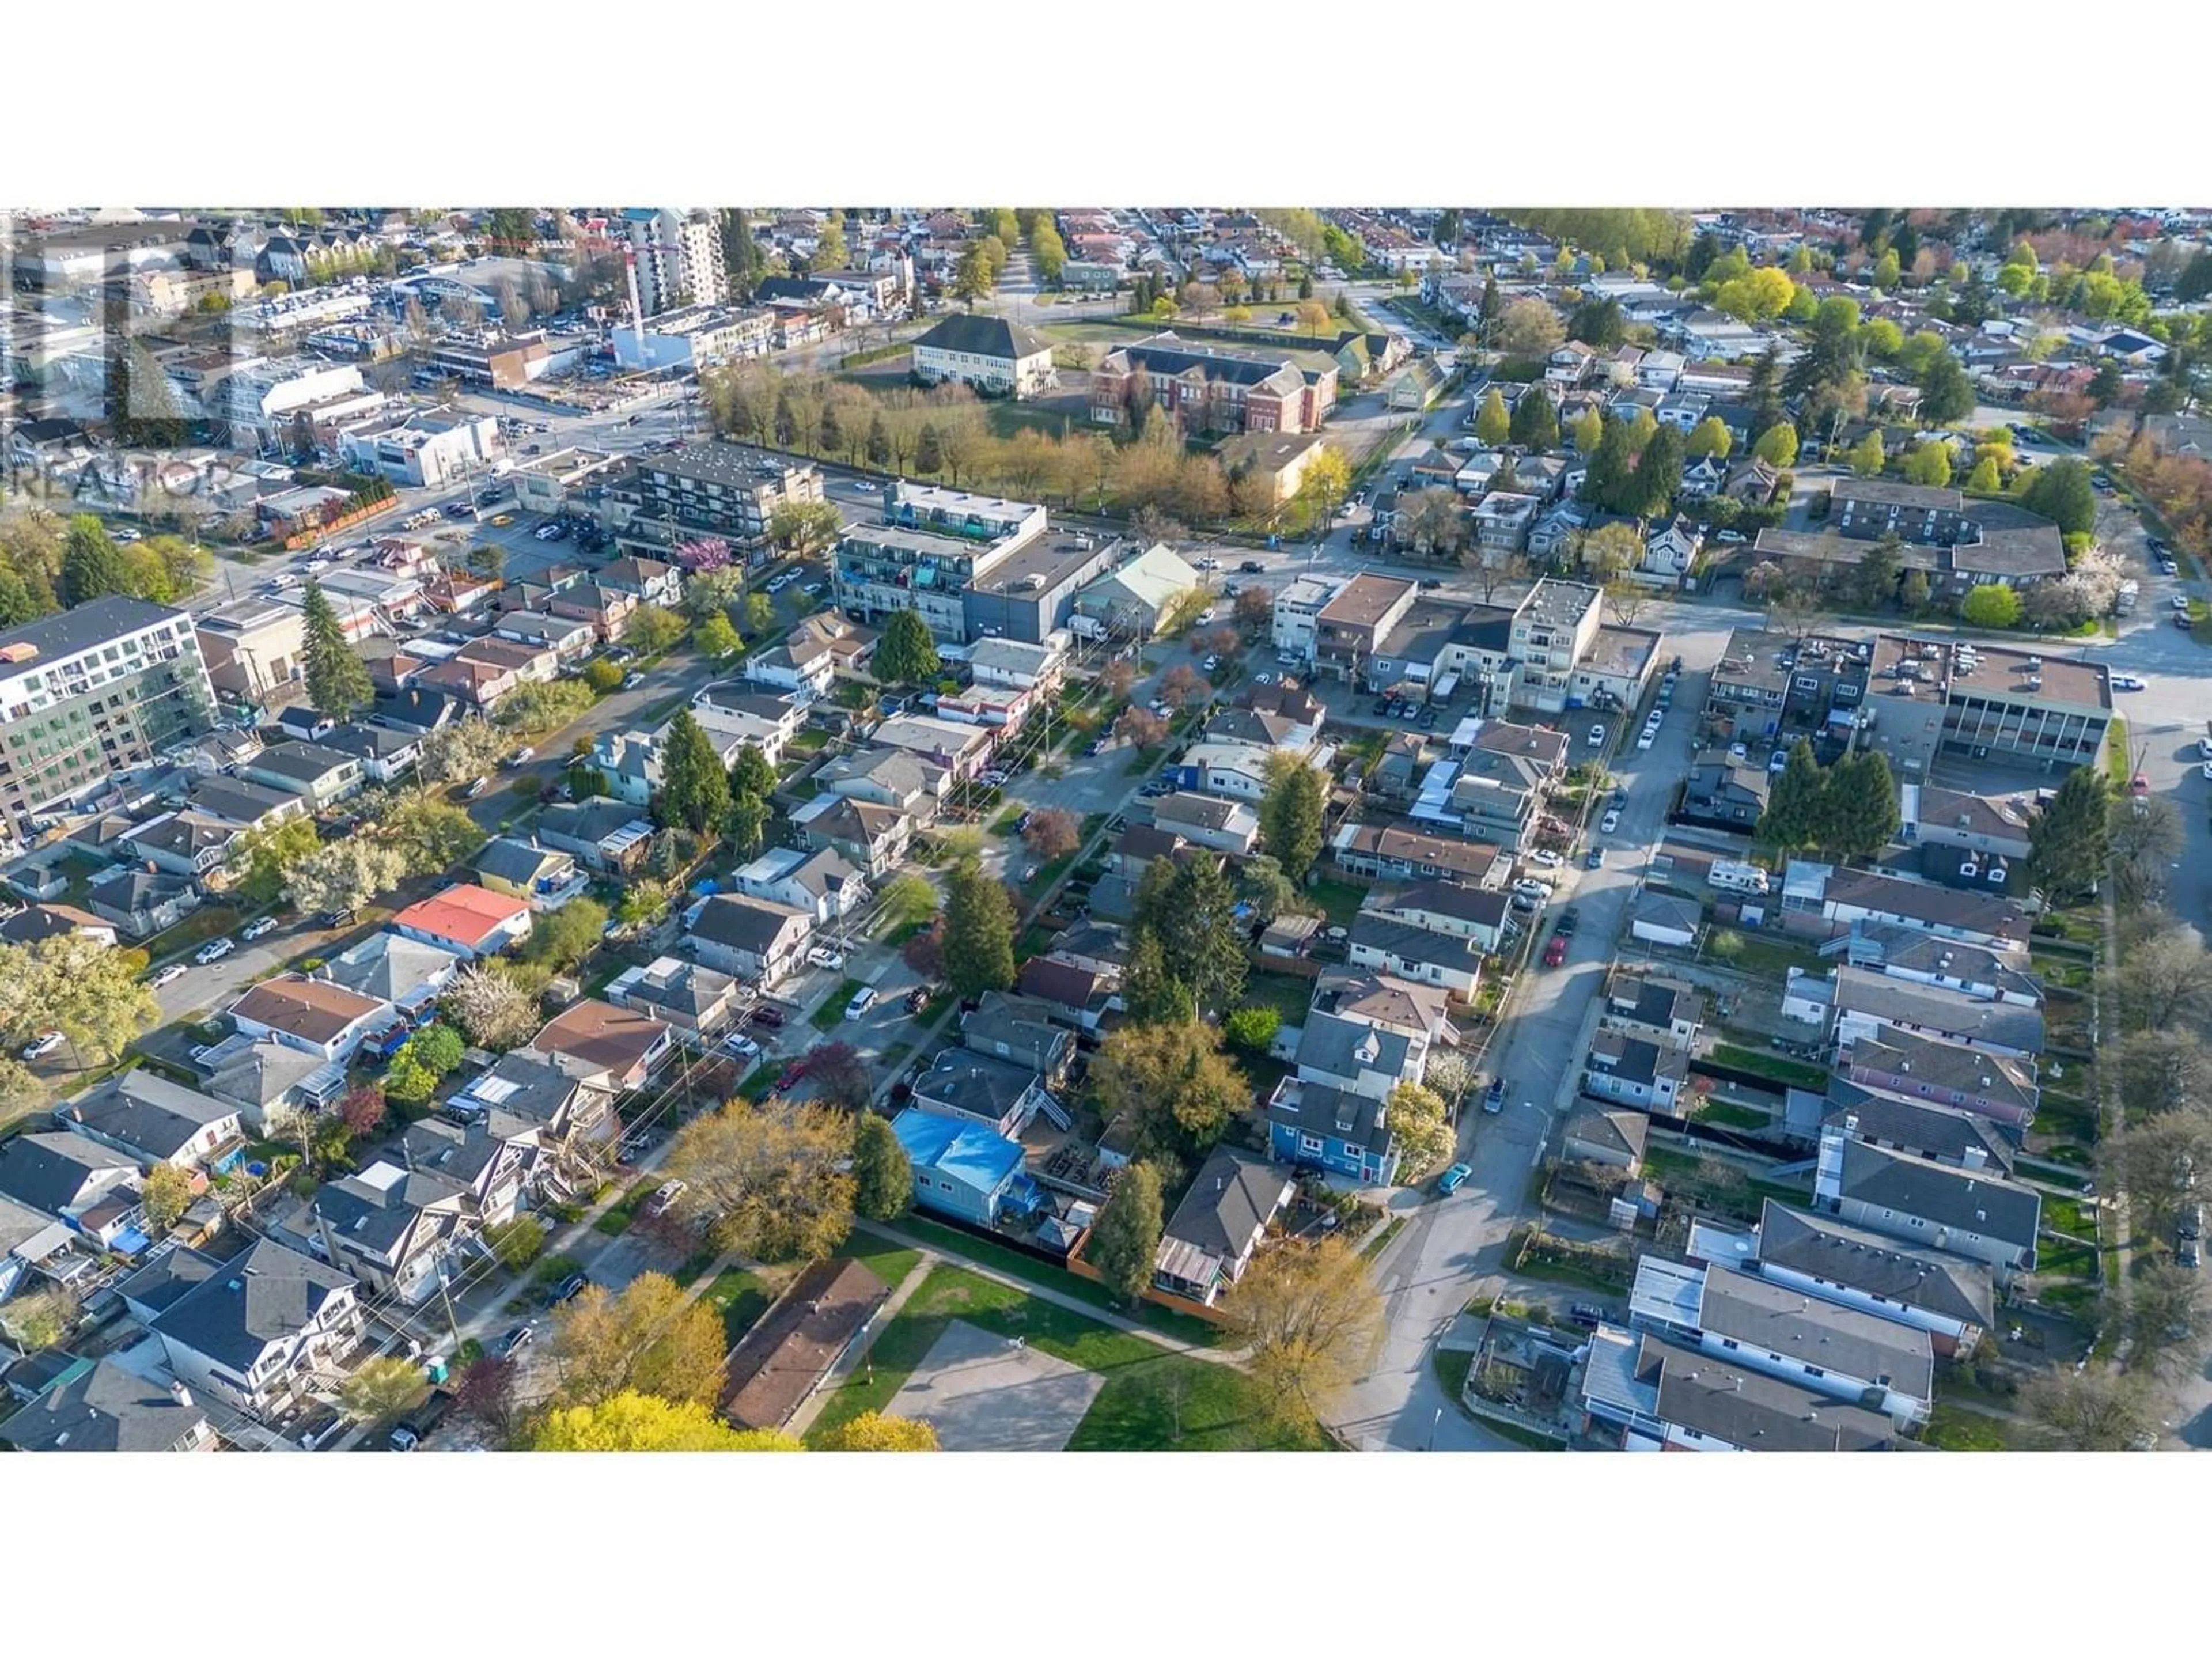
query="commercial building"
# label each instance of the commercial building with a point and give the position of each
(86, 693)
(501, 362)
(719, 490)
(930, 550)
(1971, 702)
(696, 337)
(425, 451)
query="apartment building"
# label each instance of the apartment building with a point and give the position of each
(677, 253)
(930, 550)
(697, 337)
(86, 693)
(730, 491)
(988, 353)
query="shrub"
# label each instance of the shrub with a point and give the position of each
(1253, 1029)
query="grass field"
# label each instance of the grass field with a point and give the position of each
(1152, 1400)
(741, 1299)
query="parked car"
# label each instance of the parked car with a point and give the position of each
(822, 957)
(259, 928)
(766, 1014)
(1556, 951)
(663, 1196)
(214, 951)
(476, 789)
(1546, 857)
(1452, 1179)
(1494, 1101)
(1253, 567)
(569, 1289)
(1587, 1314)
(2126, 683)
(862, 1000)
(42, 1045)
(1596, 858)
(1570, 919)
(742, 1046)
(1596, 736)
(1610, 822)
(169, 976)
(416, 1426)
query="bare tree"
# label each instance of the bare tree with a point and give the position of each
(2169, 1318)
(2096, 1410)
(2157, 1162)
(1626, 599)
(2166, 977)
(2145, 839)
(2163, 1070)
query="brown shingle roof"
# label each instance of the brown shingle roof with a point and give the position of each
(784, 1358)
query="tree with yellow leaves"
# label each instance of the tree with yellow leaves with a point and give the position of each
(631, 1422)
(651, 1339)
(1313, 1319)
(873, 1431)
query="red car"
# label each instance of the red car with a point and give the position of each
(1556, 951)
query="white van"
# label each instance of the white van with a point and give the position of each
(1734, 878)
(863, 999)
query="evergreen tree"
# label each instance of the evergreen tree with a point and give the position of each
(695, 790)
(337, 680)
(93, 567)
(1291, 814)
(2194, 282)
(1658, 474)
(1490, 306)
(832, 431)
(905, 654)
(1606, 483)
(928, 453)
(979, 931)
(741, 257)
(1859, 806)
(1150, 994)
(1763, 394)
(1535, 422)
(883, 1175)
(1305, 286)
(1795, 804)
(1126, 1239)
(2070, 841)
(880, 441)
(2104, 385)
(1492, 424)
(1203, 947)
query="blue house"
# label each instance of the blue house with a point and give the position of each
(960, 1168)
(1317, 1126)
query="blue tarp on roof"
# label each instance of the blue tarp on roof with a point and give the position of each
(967, 1152)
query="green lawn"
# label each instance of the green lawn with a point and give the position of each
(741, 1299)
(1380, 1241)
(889, 1262)
(1147, 1392)
(1732, 1116)
(616, 1221)
(1286, 993)
(1341, 899)
(1761, 1064)
(1028, 1268)
(1957, 1428)
(1755, 954)
(2059, 1258)
(1452, 1366)
(833, 1011)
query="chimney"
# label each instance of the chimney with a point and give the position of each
(180, 1394)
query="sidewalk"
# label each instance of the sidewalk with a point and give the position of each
(932, 1254)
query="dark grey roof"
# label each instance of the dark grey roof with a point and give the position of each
(1768, 1316)
(368, 742)
(374, 1217)
(1969, 1200)
(1344, 1047)
(743, 923)
(985, 336)
(102, 1407)
(262, 1074)
(1944, 1134)
(238, 800)
(307, 762)
(1938, 1009)
(509, 859)
(1322, 1109)
(1757, 1413)
(169, 1276)
(266, 1295)
(1477, 905)
(1821, 1246)
(1403, 940)
(49, 1171)
(19, 1223)
(978, 1085)
(1980, 1073)
(1231, 1199)
(147, 1113)
(1636, 1059)
(94, 623)
(416, 708)
(1616, 1127)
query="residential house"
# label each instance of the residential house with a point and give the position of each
(1724, 793)
(1395, 853)
(470, 920)
(592, 1038)
(571, 1108)
(680, 994)
(1209, 1240)
(1831, 1348)
(1864, 1003)
(1992, 1086)
(1976, 916)
(871, 837)
(822, 884)
(1930, 959)
(649, 580)
(496, 1157)
(64, 1174)
(409, 974)
(1949, 1296)
(183, 843)
(1475, 914)
(385, 756)
(35, 923)
(265, 1331)
(961, 1169)
(96, 1406)
(1969, 1212)
(1314, 1124)
(1613, 1136)
(33, 1243)
(605, 836)
(1078, 996)
(1002, 1095)
(322, 776)
(1415, 953)
(1227, 826)
(1634, 1071)
(263, 1078)
(1018, 1030)
(760, 940)
(1657, 917)
(143, 901)
(154, 1120)
(1899, 1123)
(314, 1016)
(1653, 1007)
(394, 1228)
(570, 638)
(543, 878)
(1657, 1395)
